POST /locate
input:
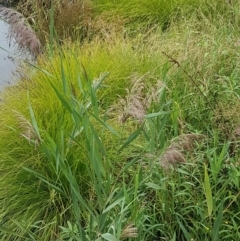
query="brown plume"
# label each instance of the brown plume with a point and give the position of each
(175, 153)
(27, 130)
(20, 32)
(139, 97)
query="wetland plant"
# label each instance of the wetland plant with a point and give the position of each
(20, 31)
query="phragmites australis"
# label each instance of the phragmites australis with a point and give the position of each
(26, 129)
(175, 154)
(20, 32)
(138, 98)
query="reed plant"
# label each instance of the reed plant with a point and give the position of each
(127, 136)
(20, 32)
(82, 189)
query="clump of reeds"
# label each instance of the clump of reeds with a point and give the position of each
(20, 32)
(175, 154)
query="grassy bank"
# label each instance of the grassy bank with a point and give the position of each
(127, 129)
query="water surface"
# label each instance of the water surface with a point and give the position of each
(8, 57)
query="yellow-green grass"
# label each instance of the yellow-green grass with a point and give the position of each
(24, 146)
(198, 64)
(83, 19)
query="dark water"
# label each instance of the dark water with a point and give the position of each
(8, 57)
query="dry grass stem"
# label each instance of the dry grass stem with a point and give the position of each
(20, 32)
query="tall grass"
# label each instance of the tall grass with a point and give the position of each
(73, 173)
(127, 137)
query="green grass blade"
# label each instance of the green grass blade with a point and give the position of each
(64, 80)
(208, 191)
(217, 223)
(98, 82)
(25, 230)
(186, 233)
(57, 189)
(131, 138)
(61, 98)
(9, 231)
(33, 119)
(111, 206)
(111, 129)
(156, 114)
(51, 28)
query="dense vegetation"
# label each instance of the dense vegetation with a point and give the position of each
(127, 127)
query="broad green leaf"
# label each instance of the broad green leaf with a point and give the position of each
(153, 185)
(109, 237)
(113, 205)
(151, 115)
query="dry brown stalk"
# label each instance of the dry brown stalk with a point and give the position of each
(20, 32)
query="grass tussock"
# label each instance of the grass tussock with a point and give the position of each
(131, 133)
(71, 18)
